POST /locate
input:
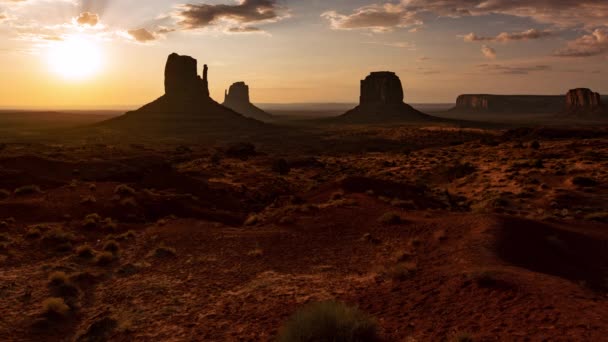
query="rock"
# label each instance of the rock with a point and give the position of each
(504, 104)
(473, 102)
(237, 94)
(185, 110)
(584, 102)
(382, 87)
(181, 77)
(381, 101)
(583, 98)
(237, 99)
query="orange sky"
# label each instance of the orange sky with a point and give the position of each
(298, 51)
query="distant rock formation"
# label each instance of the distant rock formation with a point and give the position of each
(381, 101)
(186, 109)
(381, 88)
(504, 104)
(237, 99)
(583, 99)
(181, 77)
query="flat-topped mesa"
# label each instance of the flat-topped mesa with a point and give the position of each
(238, 93)
(181, 78)
(583, 99)
(381, 88)
(473, 102)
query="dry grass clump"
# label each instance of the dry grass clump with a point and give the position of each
(124, 190)
(128, 235)
(91, 220)
(164, 252)
(104, 259)
(55, 306)
(60, 286)
(329, 321)
(111, 246)
(402, 271)
(27, 190)
(256, 253)
(88, 200)
(390, 218)
(60, 239)
(85, 252)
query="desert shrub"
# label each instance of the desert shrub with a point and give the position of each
(390, 218)
(88, 200)
(91, 220)
(55, 306)
(126, 235)
(164, 252)
(256, 253)
(58, 236)
(124, 190)
(58, 278)
(27, 190)
(61, 286)
(108, 224)
(329, 321)
(129, 202)
(33, 233)
(584, 181)
(4, 194)
(85, 252)
(111, 246)
(402, 271)
(281, 166)
(104, 258)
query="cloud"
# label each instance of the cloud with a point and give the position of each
(511, 70)
(400, 45)
(388, 16)
(87, 18)
(244, 29)
(488, 52)
(142, 35)
(589, 45)
(378, 18)
(506, 37)
(235, 18)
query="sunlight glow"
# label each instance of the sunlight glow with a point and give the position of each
(75, 58)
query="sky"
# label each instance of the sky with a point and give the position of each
(111, 53)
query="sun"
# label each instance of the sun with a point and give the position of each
(75, 58)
